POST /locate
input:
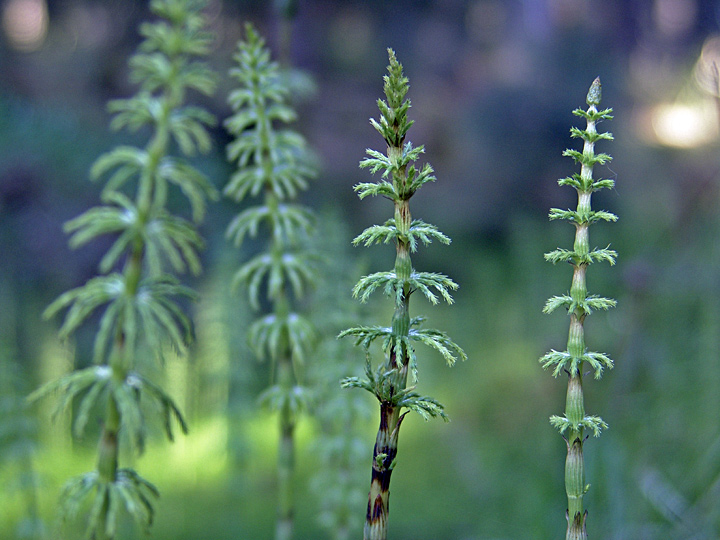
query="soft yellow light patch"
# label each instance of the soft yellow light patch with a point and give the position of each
(685, 125)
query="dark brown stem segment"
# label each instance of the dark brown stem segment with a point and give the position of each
(383, 461)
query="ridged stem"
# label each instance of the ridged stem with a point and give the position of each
(580, 304)
(275, 162)
(574, 463)
(575, 405)
(386, 442)
(389, 382)
(384, 453)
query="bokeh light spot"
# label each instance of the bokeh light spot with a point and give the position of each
(674, 17)
(25, 23)
(685, 125)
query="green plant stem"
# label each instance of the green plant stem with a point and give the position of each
(580, 305)
(286, 456)
(575, 404)
(109, 448)
(273, 162)
(107, 464)
(574, 463)
(389, 383)
(386, 442)
(141, 313)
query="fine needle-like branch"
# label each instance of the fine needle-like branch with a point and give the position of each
(579, 305)
(399, 181)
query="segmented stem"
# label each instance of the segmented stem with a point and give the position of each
(579, 305)
(140, 299)
(389, 383)
(273, 162)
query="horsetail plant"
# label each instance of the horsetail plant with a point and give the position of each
(139, 299)
(399, 181)
(340, 443)
(274, 164)
(579, 304)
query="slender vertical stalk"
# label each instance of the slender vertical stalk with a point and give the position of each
(286, 455)
(273, 162)
(338, 485)
(579, 304)
(141, 310)
(389, 383)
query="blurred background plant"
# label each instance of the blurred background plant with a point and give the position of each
(141, 320)
(340, 444)
(489, 78)
(273, 164)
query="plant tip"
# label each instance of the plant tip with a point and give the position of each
(595, 93)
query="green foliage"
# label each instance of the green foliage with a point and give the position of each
(338, 484)
(129, 491)
(400, 178)
(383, 385)
(396, 286)
(268, 158)
(149, 311)
(93, 385)
(273, 162)
(419, 230)
(141, 301)
(273, 336)
(278, 270)
(401, 345)
(593, 423)
(579, 304)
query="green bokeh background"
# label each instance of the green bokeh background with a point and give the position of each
(493, 84)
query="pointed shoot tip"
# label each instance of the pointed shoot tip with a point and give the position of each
(595, 93)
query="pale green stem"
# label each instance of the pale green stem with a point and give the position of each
(575, 407)
(286, 456)
(107, 465)
(150, 193)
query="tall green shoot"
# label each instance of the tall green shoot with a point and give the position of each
(138, 300)
(399, 181)
(273, 163)
(579, 304)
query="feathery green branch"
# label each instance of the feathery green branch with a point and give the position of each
(139, 299)
(399, 180)
(274, 163)
(579, 304)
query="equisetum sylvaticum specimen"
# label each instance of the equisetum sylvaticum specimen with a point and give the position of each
(274, 164)
(138, 301)
(579, 304)
(399, 181)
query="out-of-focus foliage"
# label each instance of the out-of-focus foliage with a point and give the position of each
(137, 298)
(274, 163)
